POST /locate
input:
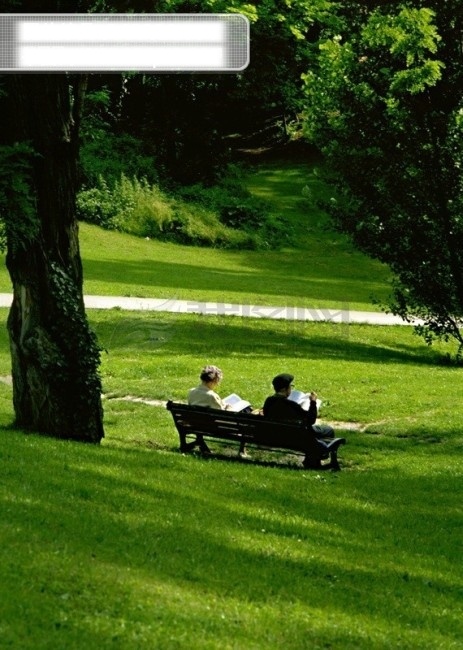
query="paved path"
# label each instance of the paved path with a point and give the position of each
(335, 315)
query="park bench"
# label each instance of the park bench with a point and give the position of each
(195, 423)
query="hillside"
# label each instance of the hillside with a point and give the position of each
(319, 269)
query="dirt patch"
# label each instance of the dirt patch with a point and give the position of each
(132, 398)
(346, 426)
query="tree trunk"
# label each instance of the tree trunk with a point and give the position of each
(55, 355)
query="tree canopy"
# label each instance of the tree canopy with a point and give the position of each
(379, 84)
(384, 104)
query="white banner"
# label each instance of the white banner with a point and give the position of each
(123, 43)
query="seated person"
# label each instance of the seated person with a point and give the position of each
(205, 395)
(279, 407)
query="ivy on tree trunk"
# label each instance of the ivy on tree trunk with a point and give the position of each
(55, 355)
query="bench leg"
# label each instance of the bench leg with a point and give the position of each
(202, 445)
(242, 450)
(312, 463)
(185, 446)
(334, 464)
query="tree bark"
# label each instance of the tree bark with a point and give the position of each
(55, 355)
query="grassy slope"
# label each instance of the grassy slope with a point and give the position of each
(323, 272)
(131, 545)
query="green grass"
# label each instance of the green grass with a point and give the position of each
(365, 374)
(139, 208)
(291, 187)
(133, 545)
(323, 272)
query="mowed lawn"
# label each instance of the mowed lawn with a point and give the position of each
(320, 269)
(132, 545)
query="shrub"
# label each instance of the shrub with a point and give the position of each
(226, 215)
(150, 209)
(103, 206)
(234, 204)
(136, 207)
(243, 214)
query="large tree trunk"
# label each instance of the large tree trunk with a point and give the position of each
(55, 355)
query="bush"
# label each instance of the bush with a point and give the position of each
(234, 204)
(111, 156)
(226, 215)
(103, 206)
(130, 205)
(243, 214)
(136, 207)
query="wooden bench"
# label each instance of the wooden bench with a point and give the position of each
(194, 423)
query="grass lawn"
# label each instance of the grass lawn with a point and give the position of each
(323, 271)
(132, 545)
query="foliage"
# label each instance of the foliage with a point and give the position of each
(182, 119)
(383, 102)
(229, 197)
(105, 206)
(136, 207)
(106, 152)
(225, 214)
(110, 155)
(18, 218)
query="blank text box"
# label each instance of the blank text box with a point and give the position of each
(123, 42)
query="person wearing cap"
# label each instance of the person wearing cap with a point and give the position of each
(279, 407)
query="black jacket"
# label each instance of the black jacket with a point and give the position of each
(279, 407)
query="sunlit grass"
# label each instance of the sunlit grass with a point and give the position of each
(118, 264)
(133, 545)
(384, 378)
(319, 270)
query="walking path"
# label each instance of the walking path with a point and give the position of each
(333, 315)
(344, 316)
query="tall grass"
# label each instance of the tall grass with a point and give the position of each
(201, 216)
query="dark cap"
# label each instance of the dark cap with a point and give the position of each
(282, 381)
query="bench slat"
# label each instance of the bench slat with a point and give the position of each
(248, 429)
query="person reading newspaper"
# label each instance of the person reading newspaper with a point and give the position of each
(284, 405)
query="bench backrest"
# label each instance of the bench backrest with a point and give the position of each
(240, 426)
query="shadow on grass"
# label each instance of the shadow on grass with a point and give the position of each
(225, 336)
(182, 526)
(271, 275)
